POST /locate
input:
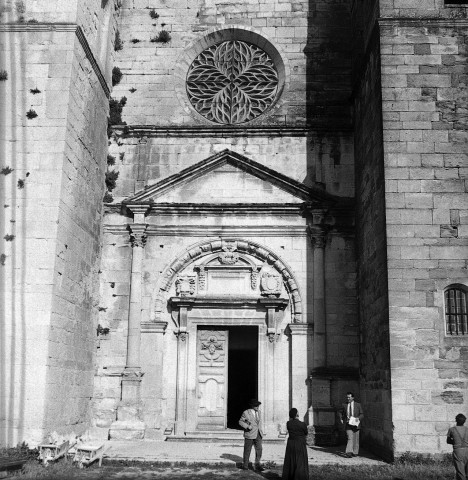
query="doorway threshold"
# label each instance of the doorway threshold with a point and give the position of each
(230, 436)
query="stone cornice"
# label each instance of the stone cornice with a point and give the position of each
(228, 301)
(422, 22)
(63, 27)
(227, 131)
(203, 231)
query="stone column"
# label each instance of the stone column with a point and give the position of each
(321, 411)
(318, 240)
(300, 352)
(129, 424)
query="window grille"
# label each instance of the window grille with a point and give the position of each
(456, 311)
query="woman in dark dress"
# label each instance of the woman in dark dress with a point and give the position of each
(296, 464)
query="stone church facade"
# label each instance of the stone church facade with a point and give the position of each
(286, 218)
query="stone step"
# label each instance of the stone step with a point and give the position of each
(233, 437)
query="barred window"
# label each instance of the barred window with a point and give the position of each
(456, 316)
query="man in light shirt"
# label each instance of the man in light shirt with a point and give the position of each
(253, 433)
(352, 415)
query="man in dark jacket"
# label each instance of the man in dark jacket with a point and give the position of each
(351, 416)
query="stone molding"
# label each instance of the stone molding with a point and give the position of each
(422, 22)
(300, 328)
(63, 27)
(204, 248)
(191, 209)
(193, 231)
(153, 327)
(181, 305)
(152, 131)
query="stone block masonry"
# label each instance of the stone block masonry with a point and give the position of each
(424, 100)
(52, 202)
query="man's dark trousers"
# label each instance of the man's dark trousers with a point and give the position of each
(257, 443)
(460, 462)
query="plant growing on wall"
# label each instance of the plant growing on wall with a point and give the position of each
(132, 90)
(153, 14)
(20, 10)
(111, 179)
(135, 40)
(110, 160)
(115, 110)
(162, 37)
(108, 198)
(20, 184)
(9, 238)
(116, 76)
(6, 170)
(34, 91)
(31, 114)
(2, 259)
(118, 44)
(3, 75)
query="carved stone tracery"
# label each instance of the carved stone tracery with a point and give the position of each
(232, 82)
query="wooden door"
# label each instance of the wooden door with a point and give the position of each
(212, 358)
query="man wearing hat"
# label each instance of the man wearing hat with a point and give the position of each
(253, 433)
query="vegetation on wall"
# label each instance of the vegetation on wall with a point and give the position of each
(6, 170)
(115, 110)
(118, 44)
(31, 114)
(162, 37)
(20, 10)
(153, 14)
(116, 76)
(3, 75)
(110, 160)
(34, 91)
(135, 40)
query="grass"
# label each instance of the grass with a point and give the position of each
(64, 469)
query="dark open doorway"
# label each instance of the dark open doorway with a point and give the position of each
(242, 372)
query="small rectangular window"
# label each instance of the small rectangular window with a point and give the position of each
(456, 311)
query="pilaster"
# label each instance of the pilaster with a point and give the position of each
(129, 424)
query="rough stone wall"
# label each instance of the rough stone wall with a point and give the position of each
(370, 240)
(425, 137)
(53, 203)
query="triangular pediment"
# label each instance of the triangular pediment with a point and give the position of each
(227, 177)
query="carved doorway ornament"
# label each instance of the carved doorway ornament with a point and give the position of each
(270, 284)
(185, 285)
(228, 255)
(232, 82)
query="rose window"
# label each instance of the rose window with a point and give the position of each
(232, 82)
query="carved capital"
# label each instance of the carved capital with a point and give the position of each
(318, 236)
(138, 234)
(181, 335)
